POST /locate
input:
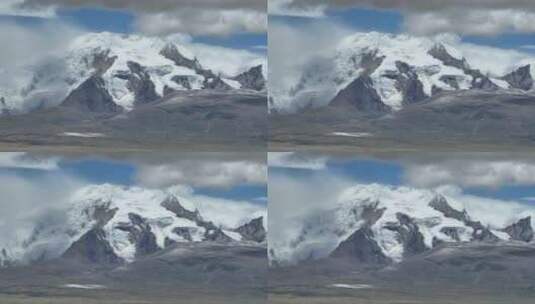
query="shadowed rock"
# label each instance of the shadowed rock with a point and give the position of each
(253, 231)
(92, 96)
(408, 234)
(521, 231)
(361, 247)
(362, 96)
(451, 80)
(440, 52)
(140, 233)
(452, 232)
(252, 79)
(520, 78)
(479, 80)
(480, 232)
(140, 83)
(93, 248)
(407, 83)
(171, 52)
(172, 204)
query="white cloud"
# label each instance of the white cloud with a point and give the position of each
(162, 17)
(470, 22)
(229, 62)
(14, 8)
(291, 49)
(216, 174)
(203, 22)
(292, 199)
(469, 17)
(471, 173)
(296, 161)
(285, 8)
(26, 161)
(27, 202)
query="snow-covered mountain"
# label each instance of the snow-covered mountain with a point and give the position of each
(114, 224)
(114, 72)
(378, 224)
(384, 72)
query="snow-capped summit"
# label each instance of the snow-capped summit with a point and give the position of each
(129, 70)
(397, 70)
(380, 224)
(113, 224)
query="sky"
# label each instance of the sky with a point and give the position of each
(491, 176)
(212, 174)
(498, 23)
(228, 23)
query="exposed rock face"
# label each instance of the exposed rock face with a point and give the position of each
(252, 79)
(253, 231)
(452, 232)
(450, 80)
(407, 83)
(171, 52)
(361, 94)
(479, 81)
(211, 80)
(93, 248)
(361, 248)
(212, 233)
(371, 213)
(172, 204)
(183, 80)
(5, 259)
(215, 83)
(409, 234)
(370, 62)
(440, 204)
(481, 233)
(520, 78)
(140, 233)
(482, 82)
(184, 232)
(440, 52)
(101, 213)
(521, 231)
(92, 96)
(102, 61)
(140, 83)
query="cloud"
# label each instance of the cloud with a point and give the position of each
(223, 212)
(296, 161)
(294, 198)
(30, 201)
(471, 173)
(294, 48)
(162, 17)
(470, 22)
(24, 160)
(212, 174)
(34, 49)
(15, 8)
(469, 17)
(203, 22)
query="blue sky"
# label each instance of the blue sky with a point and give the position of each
(120, 21)
(394, 173)
(99, 171)
(391, 21)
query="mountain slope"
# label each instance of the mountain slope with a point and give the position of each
(403, 70)
(110, 225)
(105, 71)
(375, 224)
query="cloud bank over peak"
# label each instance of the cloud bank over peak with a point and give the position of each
(423, 17)
(162, 17)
